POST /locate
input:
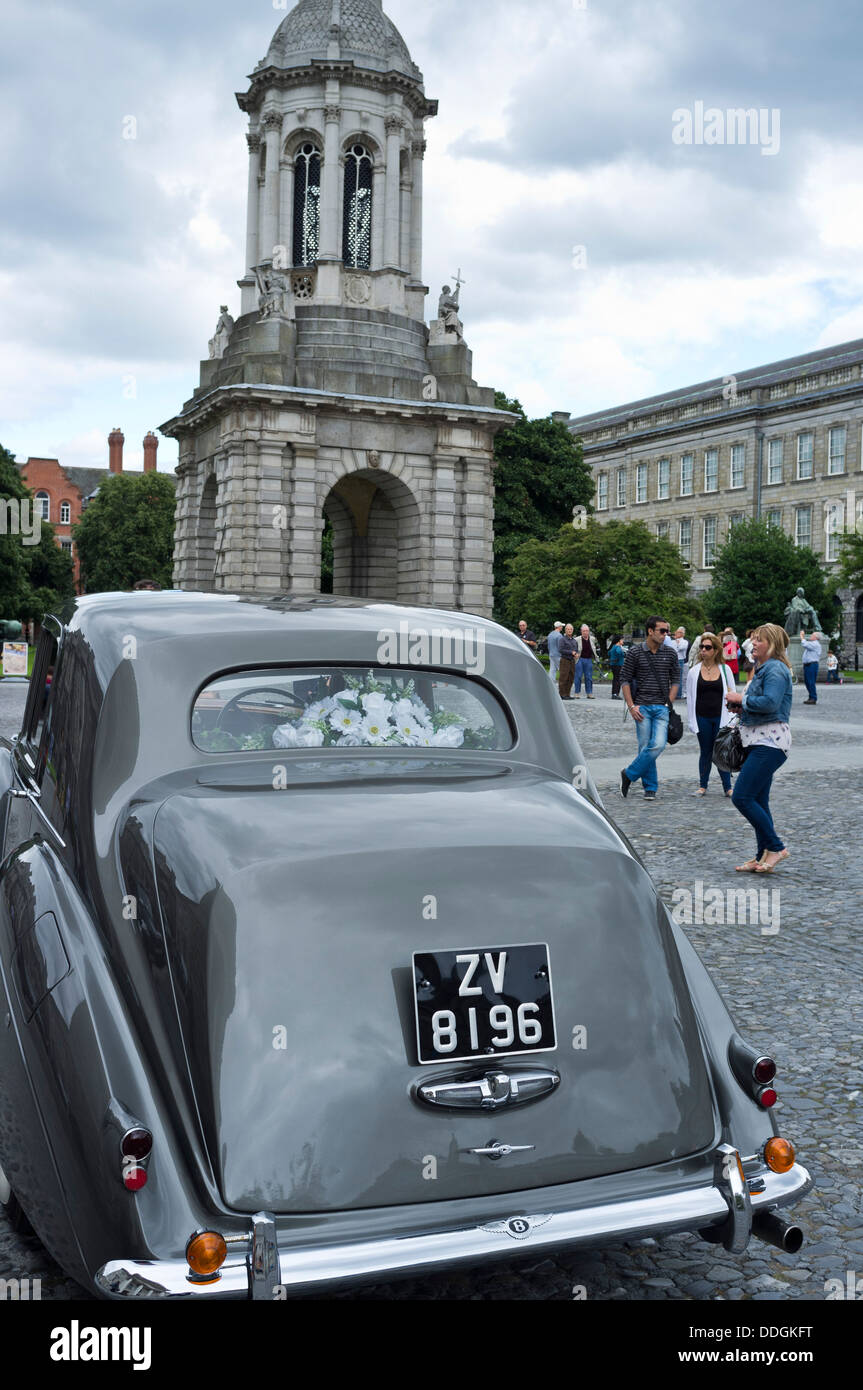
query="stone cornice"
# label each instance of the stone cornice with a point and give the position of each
(320, 71)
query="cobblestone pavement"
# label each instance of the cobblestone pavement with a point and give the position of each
(796, 993)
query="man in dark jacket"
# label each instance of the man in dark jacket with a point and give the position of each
(651, 676)
(567, 662)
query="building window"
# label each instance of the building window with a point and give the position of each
(711, 470)
(357, 247)
(774, 518)
(641, 483)
(805, 455)
(602, 492)
(684, 541)
(43, 506)
(738, 465)
(686, 467)
(65, 513)
(836, 450)
(662, 530)
(307, 205)
(621, 487)
(66, 544)
(774, 460)
(734, 519)
(834, 517)
(803, 526)
(709, 548)
(663, 480)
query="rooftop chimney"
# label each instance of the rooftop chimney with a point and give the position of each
(116, 440)
(151, 444)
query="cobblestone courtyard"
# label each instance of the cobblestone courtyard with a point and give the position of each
(797, 994)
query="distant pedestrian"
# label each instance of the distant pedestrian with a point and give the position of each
(747, 664)
(527, 637)
(682, 648)
(586, 652)
(709, 681)
(731, 652)
(764, 708)
(616, 658)
(651, 674)
(553, 641)
(567, 662)
(811, 660)
(833, 669)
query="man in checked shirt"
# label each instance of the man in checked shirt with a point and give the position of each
(650, 680)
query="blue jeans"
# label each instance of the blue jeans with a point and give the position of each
(584, 668)
(810, 675)
(707, 731)
(652, 733)
(752, 795)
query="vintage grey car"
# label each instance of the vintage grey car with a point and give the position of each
(322, 962)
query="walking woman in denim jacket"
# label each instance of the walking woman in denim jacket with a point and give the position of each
(764, 708)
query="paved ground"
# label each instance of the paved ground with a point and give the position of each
(796, 993)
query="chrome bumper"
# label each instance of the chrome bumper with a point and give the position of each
(267, 1273)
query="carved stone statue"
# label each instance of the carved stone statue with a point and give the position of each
(448, 309)
(275, 299)
(800, 614)
(222, 336)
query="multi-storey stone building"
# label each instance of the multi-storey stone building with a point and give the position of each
(783, 442)
(329, 401)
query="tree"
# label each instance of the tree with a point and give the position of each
(127, 532)
(51, 576)
(14, 578)
(540, 475)
(851, 560)
(612, 575)
(756, 572)
(34, 579)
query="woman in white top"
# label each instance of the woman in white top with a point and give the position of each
(707, 684)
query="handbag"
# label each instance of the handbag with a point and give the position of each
(729, 755)
(675, 726)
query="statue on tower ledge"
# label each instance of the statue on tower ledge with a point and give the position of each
(447, 327)
(275, 298)
(218, 345)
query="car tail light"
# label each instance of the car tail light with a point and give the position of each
(206, 1252)
(753, 1070)
(764, 1070)
(135, 1149)
(767, 1097)
(779, 1155)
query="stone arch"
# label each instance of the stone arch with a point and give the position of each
(297, 138)
(376, 536)
(374, 147)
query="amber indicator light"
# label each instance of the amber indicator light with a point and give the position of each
(779, 1155)
(206, 1253)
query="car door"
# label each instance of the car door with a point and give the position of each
(24, 814)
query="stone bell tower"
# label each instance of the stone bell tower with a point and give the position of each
(328, 401)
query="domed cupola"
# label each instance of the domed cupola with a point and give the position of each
(355, 31)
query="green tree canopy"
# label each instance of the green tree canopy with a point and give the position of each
(757, 571)
(612, 575)
(540, 475)
(127, 532)
(851, 560)
(33, 578)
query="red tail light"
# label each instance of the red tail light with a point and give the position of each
(135, 1148)
(767, 1097)
(764, 1070)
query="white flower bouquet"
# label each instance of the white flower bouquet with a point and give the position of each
(367, 715)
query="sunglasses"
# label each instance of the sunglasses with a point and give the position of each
(663, 629)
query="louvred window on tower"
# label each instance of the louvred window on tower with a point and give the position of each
(307, 203)
(357, 247)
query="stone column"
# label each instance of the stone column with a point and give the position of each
(230, 518)
(393, 125)
(441, 532)
(330, 247)
(304, 558)
(270, 220)
(272, 516)
(476, 561)
(286, 209)
(418, 149)
(406, 221)
(254, 144)
(379, 195)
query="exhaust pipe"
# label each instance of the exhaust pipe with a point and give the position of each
(775, 1230)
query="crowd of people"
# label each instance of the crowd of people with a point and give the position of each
(651, 675)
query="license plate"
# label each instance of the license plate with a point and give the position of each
(490, 1001)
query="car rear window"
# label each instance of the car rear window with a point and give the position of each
(347, 707)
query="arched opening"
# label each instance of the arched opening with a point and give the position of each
(307, 204)
(357, 232)
(43, 506)
(374, 524)
(207, 535)
(859, 624)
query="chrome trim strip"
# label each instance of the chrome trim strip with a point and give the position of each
(732, 1184)
(309, 1267)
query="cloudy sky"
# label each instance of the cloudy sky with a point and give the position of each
(604, 260)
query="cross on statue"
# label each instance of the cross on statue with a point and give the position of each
(459, 282)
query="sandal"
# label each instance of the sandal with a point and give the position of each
(702, 791)
(768, 868)
(750, 867)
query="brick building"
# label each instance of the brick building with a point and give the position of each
(783, 442)
(62, 492)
